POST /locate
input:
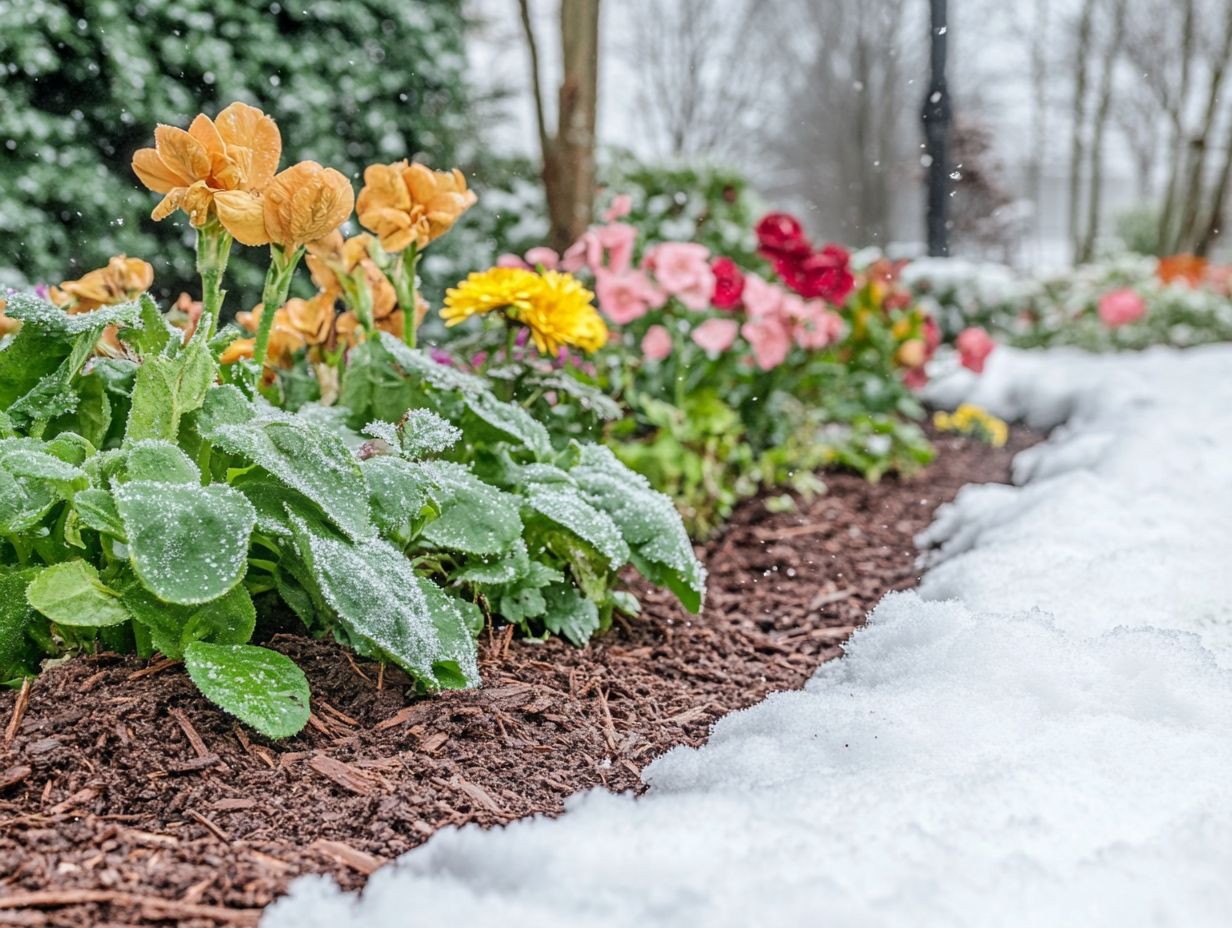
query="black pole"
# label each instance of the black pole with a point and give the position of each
(936, 116)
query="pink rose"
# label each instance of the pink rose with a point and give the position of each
(625, 296)
(974, 346)
(1120, 307)
(508, 260)
(683, 270)
(622, 205)
(770, 339)
(760, 297)
(716, 335)
(818, 327)
(657, 343)
(547, 257)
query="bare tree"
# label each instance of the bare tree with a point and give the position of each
(1077, 144)
(1103, 108)
(569, 151)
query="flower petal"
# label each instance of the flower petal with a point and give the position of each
(242, 215)
(246, 128)
(152, 171)
(182, 153)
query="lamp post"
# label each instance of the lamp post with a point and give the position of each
(936, 116)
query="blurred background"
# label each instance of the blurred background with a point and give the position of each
(1079, 127)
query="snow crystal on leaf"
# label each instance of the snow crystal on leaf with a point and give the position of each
(566, 506)
(49, 318)
(425, 433)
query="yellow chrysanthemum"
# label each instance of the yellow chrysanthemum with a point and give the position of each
(969, 419)
(554, 306)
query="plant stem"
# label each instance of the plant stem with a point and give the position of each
(213, 250)
(277, 285)
(404, 285)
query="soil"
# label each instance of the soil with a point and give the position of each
(127, 799)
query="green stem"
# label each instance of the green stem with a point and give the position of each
(404, 285)
(213, 250)
(283, 262)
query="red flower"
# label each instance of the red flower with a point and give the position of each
(974, 346)
(780, 235)
(728, 283)
(825, 274)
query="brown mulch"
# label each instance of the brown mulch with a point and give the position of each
(126, 799)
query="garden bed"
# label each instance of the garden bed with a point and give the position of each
(126, 798)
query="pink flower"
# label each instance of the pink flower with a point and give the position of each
(1120, 307)
(622, 205)
(625, 296)
(508, 260)
(657, 343)
(770, 339)
(547, 257)
(974, 346)
(616, 239)
(760, 297)
(716, 335)
(817, 327)
(683, 270)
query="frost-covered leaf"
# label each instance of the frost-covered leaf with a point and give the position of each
(162, 461)
(230, 619)
(419, 363)
(187, 544)
(502, 569)
(31, 483)
(17, 655)
(167, 389)
(475, 517)
(565, 505)
(46, 317)
(71, 593)
(523, 600)
(260, 687)
(151, 331)
(97, 510)
(570, 614)
(381, 603)
(589, 397)
(308, 459)
(510, 422)
(422, 433)
(647, 520)
(398, 493)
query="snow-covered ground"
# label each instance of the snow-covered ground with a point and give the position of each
(1042, 736)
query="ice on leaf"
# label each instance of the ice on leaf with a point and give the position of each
(260, 687)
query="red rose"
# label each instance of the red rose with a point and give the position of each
(825, 274)
(781, 235)
(728, 283)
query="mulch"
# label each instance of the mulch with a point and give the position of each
(126, 799)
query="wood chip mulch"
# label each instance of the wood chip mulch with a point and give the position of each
(126, 799)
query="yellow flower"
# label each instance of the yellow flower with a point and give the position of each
(969, 419)
(122, 279)
(235, 154)
(407, 204)
(304, 203)
(554, 306)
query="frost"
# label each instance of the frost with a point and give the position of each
(565, 506)
(475, 517)
(425, 433)
(52, 319)
(260, 687)
(379, 601)
(969, 762)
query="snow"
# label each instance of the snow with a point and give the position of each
(1042, 735)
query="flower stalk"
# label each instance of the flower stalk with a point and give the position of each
(404, 279)
(283, 261)
(213, 251)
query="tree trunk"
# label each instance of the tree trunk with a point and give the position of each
(1177, 149)
(1076, 141)
(569, 152)
(1102, 110)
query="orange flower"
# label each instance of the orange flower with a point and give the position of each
(235, 154)
(348, 322)
(7, 325)
(299, 325)
(300, 205)
(1186, 268)
(122, 279)
(330, 259)
(407, 204)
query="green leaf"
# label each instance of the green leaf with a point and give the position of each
(18, 654)
(97, 510)
(188, 544)
(72, 594)
(151, 332)
(166, 389)
(647, 520)
(399, 496)
(260, 687)
(475, 517)
(30, 356)
(509, 422)
(152, 459)
(570, 614)
(306, 458)
(31, 483)
(36, 313)
(230, 619)
(565, 505)
(382, 606)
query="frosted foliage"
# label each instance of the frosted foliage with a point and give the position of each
(384, 431)
(188, 544)
(512, 420)
(440, 376)
(47, 317)
(377, 597)
(474, 516)
(565, 506)
(306, 458)
(425, 433)
(647, 519)
(258, 686)
(968, 762)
